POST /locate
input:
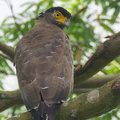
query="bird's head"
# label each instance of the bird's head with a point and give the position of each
(58, 16)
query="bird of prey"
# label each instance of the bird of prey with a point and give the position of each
(44, 64)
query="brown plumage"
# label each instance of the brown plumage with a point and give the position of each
(44, 64)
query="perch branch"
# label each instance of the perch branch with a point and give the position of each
(87, 105)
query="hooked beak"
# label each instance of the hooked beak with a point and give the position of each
(67, 23)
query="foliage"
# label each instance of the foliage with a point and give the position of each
(86, 29)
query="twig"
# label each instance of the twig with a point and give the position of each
(74, 43)
(13, 110)
(79, 11)
(13, 15)
(3, 72)
(6, 57)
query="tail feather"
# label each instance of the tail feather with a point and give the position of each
(37, 116)
(45, 113)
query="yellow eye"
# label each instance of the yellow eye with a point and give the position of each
(57, 14)
(60, 17)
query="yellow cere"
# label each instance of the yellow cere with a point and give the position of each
(60, 17)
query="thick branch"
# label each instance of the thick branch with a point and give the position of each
(8, 50)
(92, 104)
(88, 105)
(94, 82)
(97, 81)
(9, 99)
(106, 52)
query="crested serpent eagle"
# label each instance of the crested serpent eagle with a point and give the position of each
(44, 64)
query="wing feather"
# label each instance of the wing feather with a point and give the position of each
(44, 67)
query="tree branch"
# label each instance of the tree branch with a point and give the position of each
(94, 82)
(6, 57)
(87, 105)
(9, 99)
(106, 52)
(97, 81)
(92, 104)
(79, 11)
(8, 50)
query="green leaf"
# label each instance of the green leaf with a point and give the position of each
(106, 27)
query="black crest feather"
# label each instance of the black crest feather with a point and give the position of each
(60, 9)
